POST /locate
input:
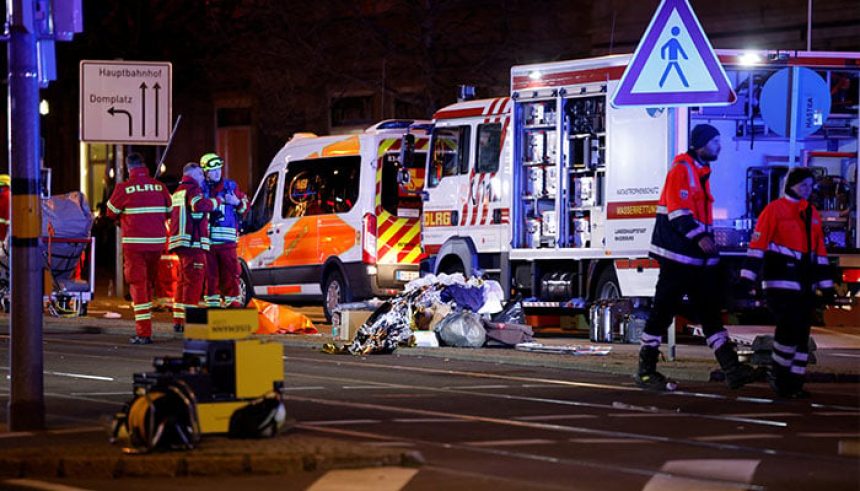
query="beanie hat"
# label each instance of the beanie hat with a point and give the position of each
(701, 135)
(797, 175)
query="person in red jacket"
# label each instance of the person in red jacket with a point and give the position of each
(5, 204)
(788, 242)
(222, 261)
(142, 204)
(189, 238)
(683, 244)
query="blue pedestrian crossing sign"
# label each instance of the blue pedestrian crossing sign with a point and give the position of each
(674, 64)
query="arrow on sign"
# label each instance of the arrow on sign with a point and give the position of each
(112, 111)
(143, 108)
(157, 89)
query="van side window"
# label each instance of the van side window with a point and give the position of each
(263, 206)
(321, 186)
(489, 147)
(450, 153)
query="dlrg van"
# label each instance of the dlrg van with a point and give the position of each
(336, 218)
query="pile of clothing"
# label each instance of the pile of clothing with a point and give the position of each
(462, 312)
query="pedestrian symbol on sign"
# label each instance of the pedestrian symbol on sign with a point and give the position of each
(674, 48)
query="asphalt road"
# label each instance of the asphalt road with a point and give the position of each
(488, 426)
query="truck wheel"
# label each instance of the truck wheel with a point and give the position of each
(246, 290)
(607, 287)
(451, 266)
(334, 292)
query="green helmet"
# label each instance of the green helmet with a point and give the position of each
(211, 161)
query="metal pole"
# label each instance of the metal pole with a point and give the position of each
(672, 117)
(119, 156)
(809, 26)
(793, 87)
(26, 400)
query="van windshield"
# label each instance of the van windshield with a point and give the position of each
(321, 186)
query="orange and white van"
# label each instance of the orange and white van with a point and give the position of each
(335, 218)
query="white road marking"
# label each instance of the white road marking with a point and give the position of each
(607, 440)
(837, 413)
(378, 479)
(86, 429)
(375, 387)
(389, 444)
(427, 420)
(537, 386)
(123, 393)
(731, 438)
(830, 435)
(81, 375)
(339, 422)
(312, 387)
(462, 387)
(844, 355)
(555, 417)
(733, 472)
(757, 415)
(42, 485)
(508, 443)
(16, 434)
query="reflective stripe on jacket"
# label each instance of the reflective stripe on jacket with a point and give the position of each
(142, 204)
(684, 214)
(189, 221)
(781, 245)
(224, 225)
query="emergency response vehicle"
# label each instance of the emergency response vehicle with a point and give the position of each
(554, 191)
(335, 218)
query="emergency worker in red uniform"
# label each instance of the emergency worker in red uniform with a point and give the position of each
(5, 204)
(189, 238)
(683, 244)
(142, 204)
(222, 262)
(788, 242)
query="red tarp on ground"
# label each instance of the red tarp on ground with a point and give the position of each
(279, 319)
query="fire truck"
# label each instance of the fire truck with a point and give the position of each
(553, 190)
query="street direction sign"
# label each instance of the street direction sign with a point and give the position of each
(128, 102)
(674, 64)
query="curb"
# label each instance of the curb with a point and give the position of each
(103, 461)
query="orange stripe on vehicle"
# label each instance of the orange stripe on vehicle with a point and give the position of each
(336, 237)
(284, 290)
(636, 263)
(349, 146)
(631, 209)
(300, 244)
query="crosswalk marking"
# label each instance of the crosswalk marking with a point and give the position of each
(378, 479)
(704, 475)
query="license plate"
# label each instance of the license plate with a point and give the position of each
(401, 275)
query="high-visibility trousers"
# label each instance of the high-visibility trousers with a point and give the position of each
(192, 265)
(222, 276)
(140, 269)
(168, 276)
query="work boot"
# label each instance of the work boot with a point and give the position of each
(737, 374)
(785, 384)
(647, 377)
(178, 328)
(140, 340)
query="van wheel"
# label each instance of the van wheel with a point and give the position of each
(607, 285)
(334, 292)
(246, 290)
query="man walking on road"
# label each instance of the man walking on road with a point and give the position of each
(788, 243)
(222, 262)
(142, 204)
(683, 244)
(189, 238)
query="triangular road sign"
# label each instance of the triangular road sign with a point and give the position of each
(674, 64)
